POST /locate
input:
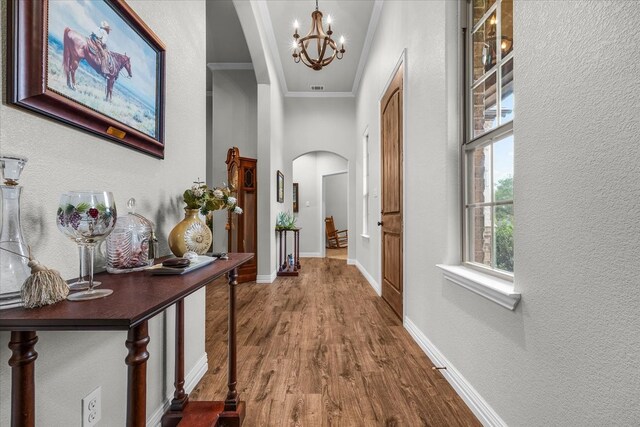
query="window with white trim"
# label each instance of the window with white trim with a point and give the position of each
(488, 144)
(365, 183)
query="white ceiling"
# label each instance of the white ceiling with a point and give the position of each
(355, 19)
(351, 18)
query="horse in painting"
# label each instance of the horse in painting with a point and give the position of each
(76, 47)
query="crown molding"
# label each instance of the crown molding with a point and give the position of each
(218, 66)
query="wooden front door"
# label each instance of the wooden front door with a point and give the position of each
(391, 194)
(243, 229)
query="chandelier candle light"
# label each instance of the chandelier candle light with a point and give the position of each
(322, 40)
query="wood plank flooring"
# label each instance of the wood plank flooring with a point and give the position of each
(337, 253)
(323, 349)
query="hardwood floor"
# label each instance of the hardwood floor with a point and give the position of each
(337, 253)
(323, 349)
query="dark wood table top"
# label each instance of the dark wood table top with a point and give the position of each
(136, 297)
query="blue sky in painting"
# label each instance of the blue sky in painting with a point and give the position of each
(84, 16)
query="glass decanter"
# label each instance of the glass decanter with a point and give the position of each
(14, 252)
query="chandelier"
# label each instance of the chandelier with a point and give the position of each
(326, 47)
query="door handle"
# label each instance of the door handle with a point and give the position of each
(380, 223)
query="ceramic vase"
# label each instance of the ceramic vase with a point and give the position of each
(190, 234)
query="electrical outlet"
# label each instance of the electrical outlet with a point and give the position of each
(92, 408)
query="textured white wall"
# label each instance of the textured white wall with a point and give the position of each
(72, 364)
(335, 199)
(308, 171)
(323, 125)
(235, 124)
(278, 163)
(270, 130)
(305, 174)
(568, 354)
(577, 186)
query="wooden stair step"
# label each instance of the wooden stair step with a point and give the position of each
(201, 414)
(211, 414)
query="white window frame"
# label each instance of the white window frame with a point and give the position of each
(365, 184)
(469, 143)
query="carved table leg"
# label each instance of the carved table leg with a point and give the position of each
(180, 398)
(174, 414)
(231, 402)
(22, 364)
(285, 264)
(281, 258)
(234, 410)
(136, 360)
(297, 245)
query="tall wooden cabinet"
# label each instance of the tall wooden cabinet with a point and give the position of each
(243, 229)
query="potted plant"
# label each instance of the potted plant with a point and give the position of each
(285, 221)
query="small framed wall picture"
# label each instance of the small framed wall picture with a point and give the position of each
(280, 193)
(295, 197)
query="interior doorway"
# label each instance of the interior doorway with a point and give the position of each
(335, 211)
(310, 172)
(392, 213)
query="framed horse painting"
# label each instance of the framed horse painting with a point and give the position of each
(93, 64)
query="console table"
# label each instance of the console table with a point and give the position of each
(136, 298)
(284, 269)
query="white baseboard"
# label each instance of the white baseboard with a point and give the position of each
(376, 287)
(485, 413)
(351, 261)
(310, 255)
(267, 278)
(196, 373)
(190, 381)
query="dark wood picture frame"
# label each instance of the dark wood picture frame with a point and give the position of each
(27, 44)
(280, 187)
(295, 197)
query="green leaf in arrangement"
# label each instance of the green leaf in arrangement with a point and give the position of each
(190, 200)
(82, 207)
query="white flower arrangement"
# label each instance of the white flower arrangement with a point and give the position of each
(200, 196)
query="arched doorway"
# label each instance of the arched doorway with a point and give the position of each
(322, 179)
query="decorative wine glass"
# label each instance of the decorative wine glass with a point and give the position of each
(87, 217)
(80, 283)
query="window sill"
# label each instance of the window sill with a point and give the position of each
(366, 236)
(493, 288)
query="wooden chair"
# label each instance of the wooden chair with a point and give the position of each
(335, 238)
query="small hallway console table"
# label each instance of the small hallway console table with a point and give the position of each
(284, 267)
(136, 298)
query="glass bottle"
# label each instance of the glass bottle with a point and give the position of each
(14, 252)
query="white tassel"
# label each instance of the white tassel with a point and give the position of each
(43, 286)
